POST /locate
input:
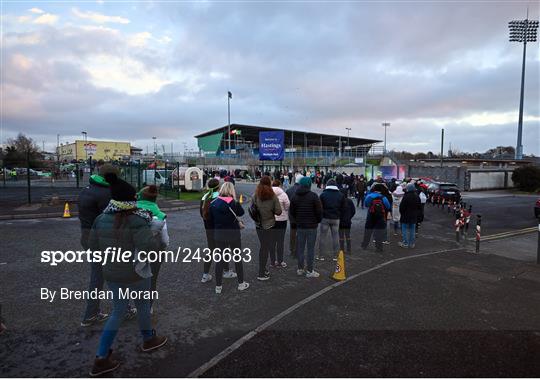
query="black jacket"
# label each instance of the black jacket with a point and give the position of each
(93, 199)
(305, 209)
(409, 208)
(345, 221)
(292, 190)
(333, 203)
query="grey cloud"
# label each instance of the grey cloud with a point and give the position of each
(311, 66)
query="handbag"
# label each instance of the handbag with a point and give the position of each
(254, 213)
(241, 224)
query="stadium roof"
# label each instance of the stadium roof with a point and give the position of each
(251, 133)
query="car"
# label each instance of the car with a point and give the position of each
(448, 191)
(537, 209)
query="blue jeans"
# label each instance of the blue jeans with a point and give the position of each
(408, 232)
(119, 310)
(306, 237)
(96, 281)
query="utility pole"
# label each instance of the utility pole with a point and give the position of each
(522, 31)
(442, 145)
(229, 97)
(385, 124)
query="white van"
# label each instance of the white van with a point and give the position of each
(149, 175)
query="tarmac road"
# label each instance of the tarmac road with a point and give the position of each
(44, 339)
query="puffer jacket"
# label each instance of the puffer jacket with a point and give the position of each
(93, 199)
(284, 202)
(223, 221)
(134, 236)
(305, 209)
(333, 203)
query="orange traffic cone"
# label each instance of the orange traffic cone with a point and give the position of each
(339, 272)
(66, 211)
(241, 201)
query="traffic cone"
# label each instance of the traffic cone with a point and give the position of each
(339, 272)
(241, 199)
(66, 211)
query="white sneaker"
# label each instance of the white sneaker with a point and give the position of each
(218, 289)
(312, 274)
(300, 272)
(283, 264)
(206, 278)
(229, 274)
(243, 286)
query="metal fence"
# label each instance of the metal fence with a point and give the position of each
(68, 178)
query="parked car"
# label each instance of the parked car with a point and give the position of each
(537, 208)
(448, 191)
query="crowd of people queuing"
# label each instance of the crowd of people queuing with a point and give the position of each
(113, 214)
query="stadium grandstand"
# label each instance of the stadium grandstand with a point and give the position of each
(301, 147)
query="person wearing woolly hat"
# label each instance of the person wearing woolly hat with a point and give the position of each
(204, 209)
(124, 227)
(305, 182)
(306, 211)
(397, 196)
(409, 208)
(93, 199)
(291, 191)
(334, 205)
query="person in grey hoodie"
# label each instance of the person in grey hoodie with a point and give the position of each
(333, 205)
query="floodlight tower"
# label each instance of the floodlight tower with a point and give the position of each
(522, 31)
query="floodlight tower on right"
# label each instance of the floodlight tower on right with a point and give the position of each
(522, 31)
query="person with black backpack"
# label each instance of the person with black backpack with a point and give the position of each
(377, 205)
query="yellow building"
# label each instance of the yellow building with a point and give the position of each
(106, 150)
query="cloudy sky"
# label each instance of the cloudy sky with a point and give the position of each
(132, 70)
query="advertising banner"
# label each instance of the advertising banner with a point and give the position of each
(90, 148)
(271, 146)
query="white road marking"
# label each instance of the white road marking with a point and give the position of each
(216, 359)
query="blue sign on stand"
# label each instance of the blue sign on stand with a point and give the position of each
(271, 146)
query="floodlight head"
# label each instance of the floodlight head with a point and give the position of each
(523, 30)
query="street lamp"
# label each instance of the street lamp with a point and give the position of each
(348, 140)
(522, 31)
(85, 139)
(385, 124)
(155, 159)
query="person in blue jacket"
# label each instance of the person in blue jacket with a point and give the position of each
(377, 208)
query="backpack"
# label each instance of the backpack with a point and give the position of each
(377, 207)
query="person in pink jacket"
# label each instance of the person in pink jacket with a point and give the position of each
(278, 240)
